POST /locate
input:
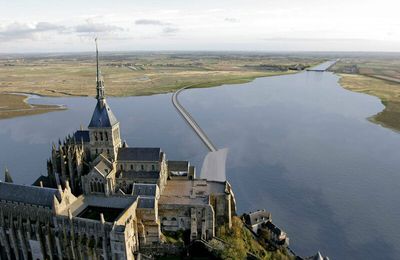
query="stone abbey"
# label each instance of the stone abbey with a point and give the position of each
(103, 199)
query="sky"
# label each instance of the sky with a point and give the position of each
(232, 25)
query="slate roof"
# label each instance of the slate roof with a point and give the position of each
(146, 202)
(257, 217)
(144, 189)
(178, 165)
(82, 135)
(103, 168)
(178, 168)
(28, 194)
(274, 229)
(102, 116)
(144, 154)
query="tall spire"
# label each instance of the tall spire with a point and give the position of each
(99, 79)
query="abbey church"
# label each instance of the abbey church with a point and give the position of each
(103, 199)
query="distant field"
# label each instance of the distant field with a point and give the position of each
(127, 74)
(141, 74)
(378, 76)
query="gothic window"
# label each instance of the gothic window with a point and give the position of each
(153, 167)
(97, 151)
(101, 136)
(106, 135)
(108, 151)
(142, 167)
(173, 219)
(131, 166)
(122, 167)
(93, 187)
(95, 136)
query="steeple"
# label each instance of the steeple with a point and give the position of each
(99, 79)
(104, 131)
(102, 115)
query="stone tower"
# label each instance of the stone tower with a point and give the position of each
(103, 127)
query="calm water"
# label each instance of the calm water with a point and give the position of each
(299, 146)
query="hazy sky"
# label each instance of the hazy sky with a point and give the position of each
(264, 25)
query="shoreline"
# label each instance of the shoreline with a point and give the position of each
(17, 104)
(18, 107)
(387, 91)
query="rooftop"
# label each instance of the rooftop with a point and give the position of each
(194, 192)
(102, 116)
(178, 168)
(257, 217)
(178, 165)
(28, 194)
(139, 154)
(144, 189)
(82, 135)
(103, 166)
(146, 202)
(90, 206)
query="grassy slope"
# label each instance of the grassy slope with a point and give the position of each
(241, 241)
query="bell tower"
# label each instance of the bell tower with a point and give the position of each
(103, 127)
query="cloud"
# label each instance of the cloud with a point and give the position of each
(91, 27)
(231, 20)
(16, 30)
(150, 22)
(170, 30)
(24, 31)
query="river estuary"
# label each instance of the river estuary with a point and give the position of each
(300, 146)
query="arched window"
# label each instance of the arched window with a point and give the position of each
(91, 187)
(153, 167)
(173, 219)
(131, 166)
(95, 136)
(101, 136)
(106, 135)
(97, 151)
(122, 167)
(142, 167)
(98, 187)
